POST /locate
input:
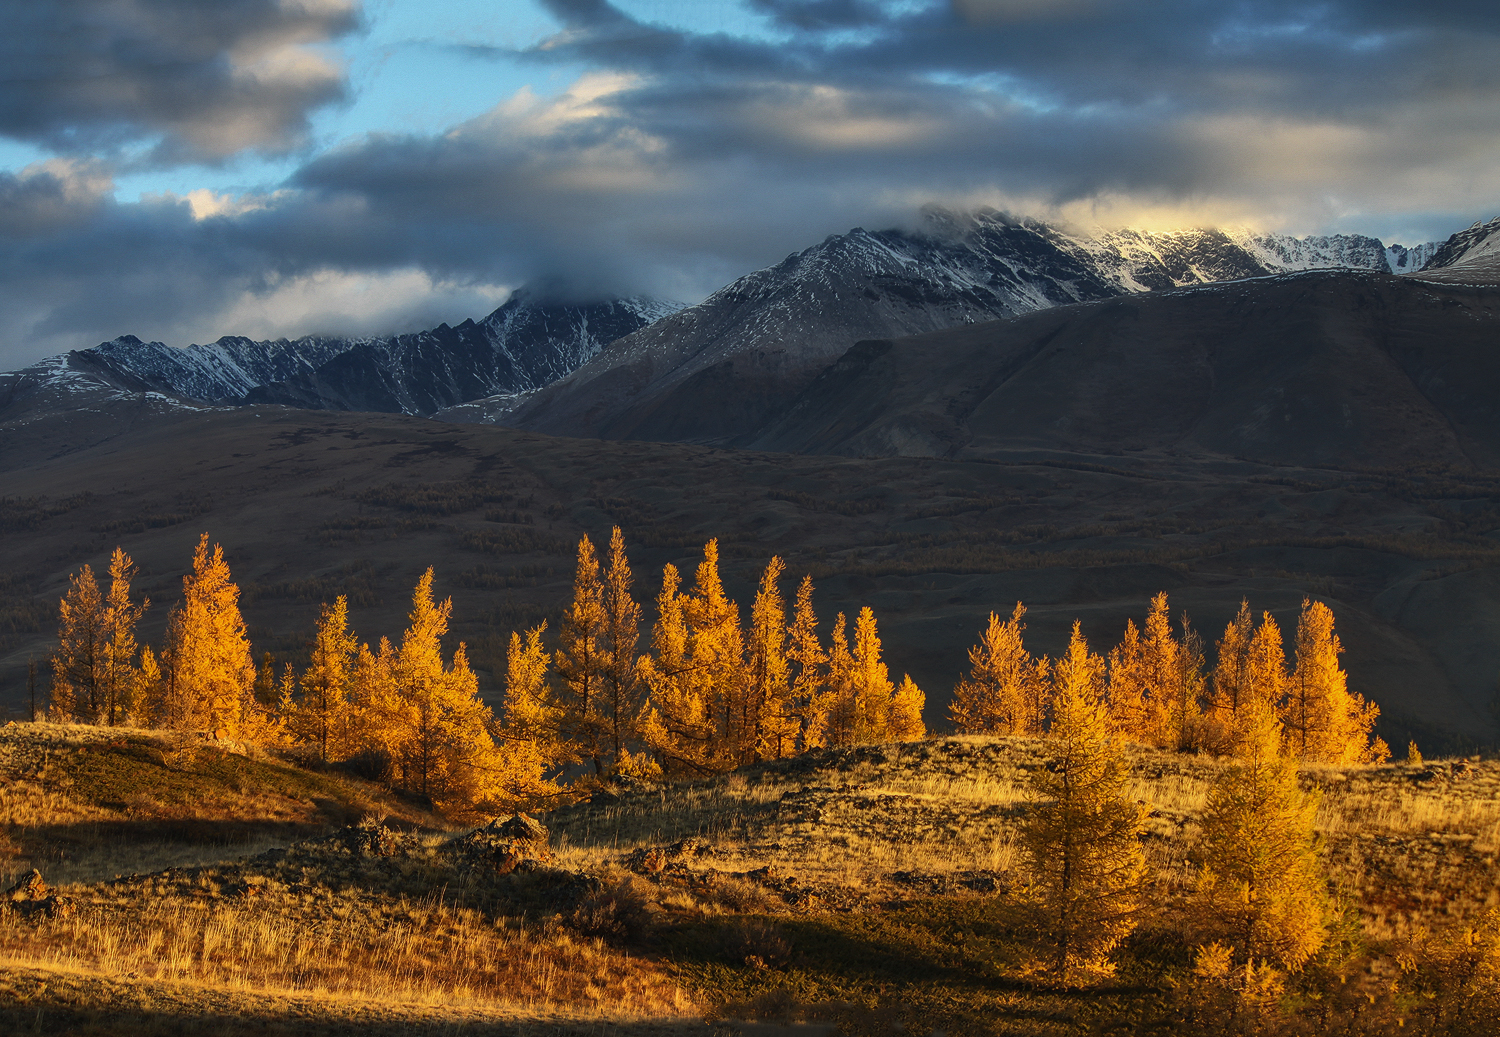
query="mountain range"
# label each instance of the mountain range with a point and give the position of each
(528, 342)
(721, 370)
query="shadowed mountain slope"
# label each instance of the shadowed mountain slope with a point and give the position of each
(718, 372)
(1321, 368)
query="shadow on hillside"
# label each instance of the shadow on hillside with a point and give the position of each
(99, 851)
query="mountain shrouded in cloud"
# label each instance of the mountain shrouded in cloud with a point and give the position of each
(668, 147)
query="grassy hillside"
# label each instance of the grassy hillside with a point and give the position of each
(87, 804)
(864, 887)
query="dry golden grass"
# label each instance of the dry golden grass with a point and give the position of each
(86, 803)
(1417, 845)
(869, 830)
(80, 1002)
(425, 952)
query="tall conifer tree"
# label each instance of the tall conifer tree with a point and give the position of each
(1083, 836)
(1129, 693)
(623, 701)
(212, 672)
(1261, 890)
(769, 716)
(443, 733)
(119, 617)
(581, 659)
(322, 715)
(1231, 670)
(1003, 692)
(81, 640)
(1325, 722)
(718, 661)
(678, 728)
(1160, 665)
(806, 666)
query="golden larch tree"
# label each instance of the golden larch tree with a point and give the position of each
(807, 679)
(678, 727)
(1082, 838)
(323, 715)
(769, 718)
(1324, 721)
(117, 672)
(867, 706)
(1231, 670)
(146, 690)
(81, 639)
(1160, 664)
(1266, 678)
(872, 685)
(531, 721)
(212, 672)
(623, 700)
(443, 744)
(1128, 694)
(1261, 895)
(1186, 690)
(1003, 693)
(375, 707)
(580, 661)
(839, 704)
(718, 661)
(905, 723)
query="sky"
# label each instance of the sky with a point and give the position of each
(185, 169)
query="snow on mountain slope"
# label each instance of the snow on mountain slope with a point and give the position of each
(1471, 256)
(1283, 254)
(525, 344)
(1403, 260)
(715, 371)
(222, 370)
(704, 373)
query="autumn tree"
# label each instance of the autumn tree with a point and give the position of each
(530, 725)
(580, 660)
(867, 707)
(211, 672)
(1324, 721)
(678, 727)
(839, 704)
(78, 660)
(1262, 899)
(1082, 837)
(1230, 674)
(440, 730)
(807, 678)
(1250, 677)
(1160, 654)
(718, 661)
(322, 715)
(623, 700)
(1129, 694)
(1004, 691)
(1185, 693)
(117, 671)
(769, 718)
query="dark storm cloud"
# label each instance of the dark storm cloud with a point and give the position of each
(683, 159)
(196, 80)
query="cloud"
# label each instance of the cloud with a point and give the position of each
(680, 159)
(187, 80)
